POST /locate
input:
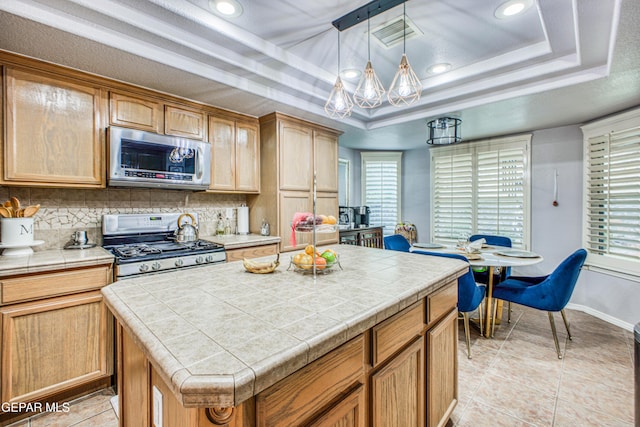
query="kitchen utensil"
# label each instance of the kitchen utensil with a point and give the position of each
(186, 232)
(30, 211)
(6, 212)
(15, 204)
(79, 237)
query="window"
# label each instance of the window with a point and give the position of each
(481, 188)
(381, 172)
(611, 226)
(343, 182)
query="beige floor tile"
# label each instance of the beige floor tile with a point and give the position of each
(104, 419)
(480, 415)
(571, 414)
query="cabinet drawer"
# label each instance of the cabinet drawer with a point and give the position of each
(307, 391)
(251, 252)
(31, 287)
(442, 301)
(394, 333)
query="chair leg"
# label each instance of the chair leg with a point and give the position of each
(465, 316)
(555, 334)
(480, 317)
(509, 312)
(494, 314)
(566, 323)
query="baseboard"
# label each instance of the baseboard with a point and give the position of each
(602, 316)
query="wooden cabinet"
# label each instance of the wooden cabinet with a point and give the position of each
(251, 252)
(235, 154)
(53, 346)
(348, 412)
(152, 115)
(54, 133)
(291, 150)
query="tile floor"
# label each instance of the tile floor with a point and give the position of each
(514, 379)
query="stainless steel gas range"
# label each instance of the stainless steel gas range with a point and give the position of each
(145, 243)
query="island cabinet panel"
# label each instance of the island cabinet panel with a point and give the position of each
(391, 335)
(180, 121)
(136, 112)
(397, 389)
(53, 131)
(133, 383)
(53, 345)
(312, 390)
(348, 412)
(442, 369)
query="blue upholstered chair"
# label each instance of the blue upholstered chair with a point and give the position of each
(549, 293)
(470, 295)
(483, 276)
(397, 242)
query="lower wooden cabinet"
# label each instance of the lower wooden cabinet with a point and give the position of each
(251, 252)
(54, 344)
(348, 412)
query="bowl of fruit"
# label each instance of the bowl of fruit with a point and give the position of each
(306, 222)
(323, 261)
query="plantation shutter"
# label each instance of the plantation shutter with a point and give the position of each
(381, 188)
(613, 195)
(500, 193)
(452, 196)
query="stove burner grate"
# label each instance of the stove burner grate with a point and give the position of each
(130, 251)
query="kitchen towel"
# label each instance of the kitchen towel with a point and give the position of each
(243, 220)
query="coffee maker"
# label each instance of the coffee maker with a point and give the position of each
(345, 215)
(361, 216)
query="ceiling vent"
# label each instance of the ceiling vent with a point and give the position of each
(391, 33)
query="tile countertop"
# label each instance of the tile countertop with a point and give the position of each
(53, 259)
(233, 241)
(219, 335)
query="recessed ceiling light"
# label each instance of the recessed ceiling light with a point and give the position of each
(226, 8)
(439, 68)
(350, 74)
(511, 8)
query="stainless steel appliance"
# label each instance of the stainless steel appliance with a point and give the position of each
(636, 334)
(146, 243)
(361, 216)
(345, 215)
(144, 159)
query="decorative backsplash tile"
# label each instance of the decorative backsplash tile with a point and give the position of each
(63, 211)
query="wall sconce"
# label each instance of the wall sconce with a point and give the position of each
(445, 130)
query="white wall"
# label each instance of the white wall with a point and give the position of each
(556, 231)
(354, 174)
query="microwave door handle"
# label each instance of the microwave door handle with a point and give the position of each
(200, 163)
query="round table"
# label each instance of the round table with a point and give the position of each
(490, 259)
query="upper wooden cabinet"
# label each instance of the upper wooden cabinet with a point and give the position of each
(296, 156)
(151, 115)
(53, 131)
(235, 154)
(325, 160)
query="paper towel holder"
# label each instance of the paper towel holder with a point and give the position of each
(243, 219)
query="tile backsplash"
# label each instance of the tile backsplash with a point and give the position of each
(63, 211)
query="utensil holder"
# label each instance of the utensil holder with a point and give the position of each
(16, 231)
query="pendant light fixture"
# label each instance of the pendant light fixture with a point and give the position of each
(339, 103)
(405, 88)
(369, 91)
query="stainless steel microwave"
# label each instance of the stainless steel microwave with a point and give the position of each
(145, 159)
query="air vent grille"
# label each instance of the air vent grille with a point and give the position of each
(391, 33)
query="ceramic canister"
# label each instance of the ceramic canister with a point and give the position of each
(16, 231)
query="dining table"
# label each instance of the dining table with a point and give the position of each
(492, 257)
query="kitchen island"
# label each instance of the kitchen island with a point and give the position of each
(373, 343)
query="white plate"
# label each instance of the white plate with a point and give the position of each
(517, 253)
(428, 245)
(22, 245)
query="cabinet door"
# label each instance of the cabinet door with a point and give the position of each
(247, 157)
(290, 203)
(442, 370)
(52, 345)
(53, 131)
(348, 412)
(222, 136)
(136, 112)
(397, 390)
(326, 161)
(327, 204)
(186, 123)
(296, 156)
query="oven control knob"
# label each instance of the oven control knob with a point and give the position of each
(199, 260)
(179, 263)
(209, 258)
(144, 267)
(155, 266)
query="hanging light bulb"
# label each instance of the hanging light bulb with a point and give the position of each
(339, 104)
(405, 88)
(369, 91)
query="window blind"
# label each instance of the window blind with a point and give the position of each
(481, 188)
(613, 195)
(381, 174)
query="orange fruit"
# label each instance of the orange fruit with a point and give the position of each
(331, 220)
(309, 250)
(321, 263)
